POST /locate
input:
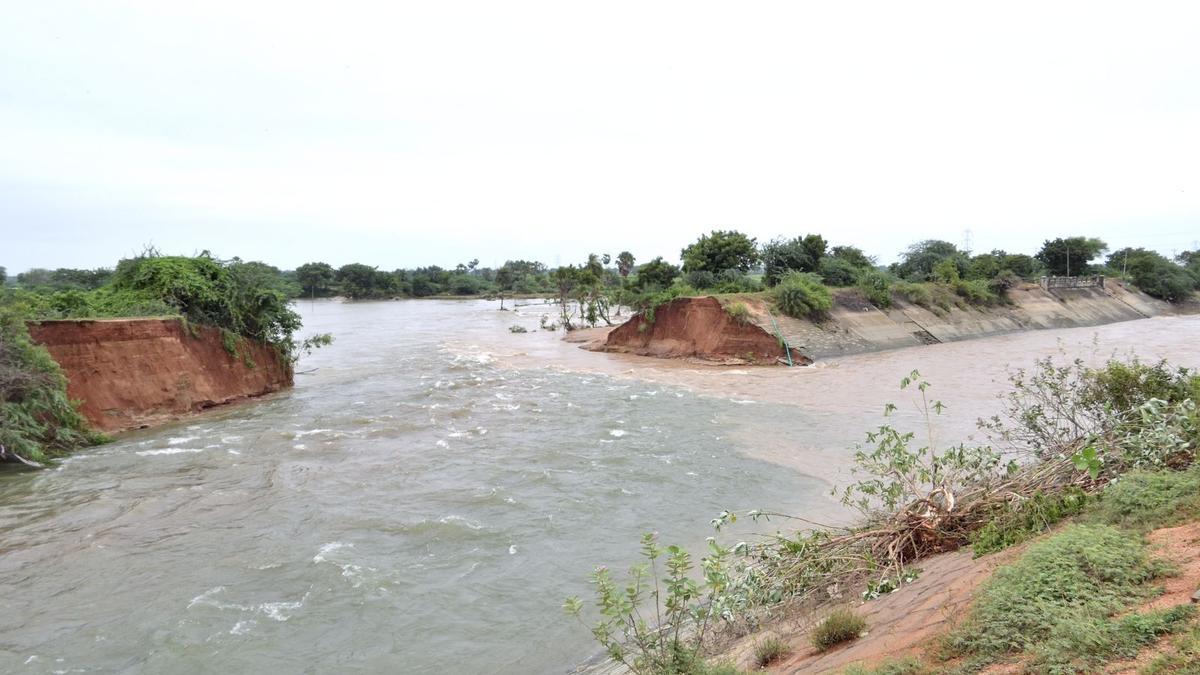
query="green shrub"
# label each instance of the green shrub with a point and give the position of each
(1122, 386)
(802, 295)
(975, 292)
(37, 419)
(768, 651)
(843, 625)
(917, 294)
(838, 272)
(1057, 600)
(877, 286)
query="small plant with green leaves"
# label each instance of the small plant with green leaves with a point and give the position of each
(842, 626)
(768, 651)
(657, 624)
(517, 328)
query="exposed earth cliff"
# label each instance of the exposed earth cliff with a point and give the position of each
(130, 373)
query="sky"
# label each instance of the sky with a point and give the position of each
(401, 134)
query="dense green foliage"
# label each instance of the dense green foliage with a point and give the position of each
(801, 295)
(801, 254)
(1153, 273)
(1070, 256)
(37, 420)
(721, 250)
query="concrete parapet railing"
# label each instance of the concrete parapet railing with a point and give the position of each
(1094, 281)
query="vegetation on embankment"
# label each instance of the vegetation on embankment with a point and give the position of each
(240, 299)
(1071, 442)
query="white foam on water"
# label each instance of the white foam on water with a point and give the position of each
(442, 443)
(180, 440)
(168, 451)
(459, 519)
(299, 446)
(310, 432)
(617, 433)
(741, 401)
(329, 548)
(242, 627)
(512, 550)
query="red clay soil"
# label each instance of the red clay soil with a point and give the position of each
(697, 328)
(132, 373)
(899, 624)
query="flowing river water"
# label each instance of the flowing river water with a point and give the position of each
(435, 485)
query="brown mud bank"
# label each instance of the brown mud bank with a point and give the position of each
(132, 373)
(700, 327)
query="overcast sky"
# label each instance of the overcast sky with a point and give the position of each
(403, 134)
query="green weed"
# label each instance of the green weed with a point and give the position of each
(843, 625)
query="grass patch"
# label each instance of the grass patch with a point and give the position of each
(1182, 656)
(841, 626)
(1023, 520)
(738, 311)
(1147, 500)
(1057, 601)
(907, 666)
(769, 651)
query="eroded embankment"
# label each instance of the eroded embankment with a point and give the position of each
(130, 373)
(701, 328)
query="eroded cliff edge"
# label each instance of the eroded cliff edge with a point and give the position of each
(131, 373)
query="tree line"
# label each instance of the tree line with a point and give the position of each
(721, 261)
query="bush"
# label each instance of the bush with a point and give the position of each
(975, 292)
(700, 279)
(37, 419)
(838, 272)
(877, 286)
(768, 651)
(842, 625)
(802, 295)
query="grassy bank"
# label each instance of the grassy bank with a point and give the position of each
(1112, 449)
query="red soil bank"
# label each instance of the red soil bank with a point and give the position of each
(131, 373)
(697, 328)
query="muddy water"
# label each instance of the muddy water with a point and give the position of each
(425, 497)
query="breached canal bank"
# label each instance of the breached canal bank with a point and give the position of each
(133, 373)
(701, 328)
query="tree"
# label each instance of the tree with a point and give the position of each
(657, 273)
(852, 255)
(1070, 256)
(316, 278)
(363, 281)
(801, 254)
(625, 261)
(3, 275)
(719, 251)
(918, 262)
(1153, 273)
